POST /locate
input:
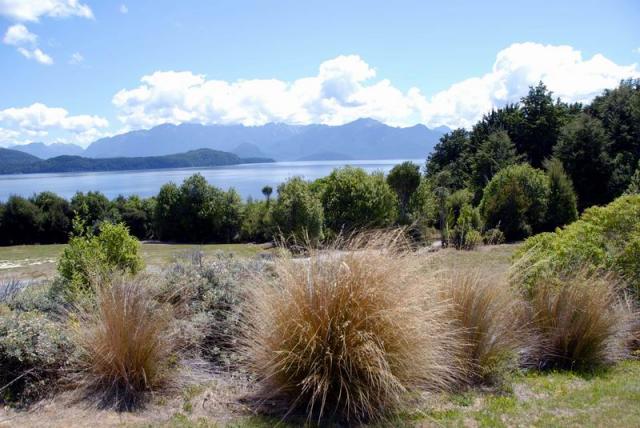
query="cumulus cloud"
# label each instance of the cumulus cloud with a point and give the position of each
(32, 10)
(36, 55)
(39, 120)
(26, 43)
(346, 88)
(562, 68)
(18, 35)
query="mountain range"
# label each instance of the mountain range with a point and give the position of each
(361, 139)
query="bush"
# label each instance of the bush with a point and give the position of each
(604, 239)
(124, 343)
(348, 334)
(297, 212)
(257, 222)
(562, 208)
(516, 200)
(33, 351)
(353, 199)
(204, 293)
(582, 322)
(88, 256)
(493, 237)
(491, 319)
(465, 234)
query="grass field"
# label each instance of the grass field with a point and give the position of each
(39, 261)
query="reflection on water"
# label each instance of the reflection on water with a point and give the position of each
(247, 179)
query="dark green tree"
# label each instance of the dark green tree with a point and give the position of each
(55, 220)
(453, 153)
(404, 179)
(542, 122)
(353, 199)
(582, 149)
(634, 183)
(562, 207)
(166, 213)
(267, 191)
(515, 201)
(21, 221)
(298, 212)
(495, 153)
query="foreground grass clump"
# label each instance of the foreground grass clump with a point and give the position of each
(492, 325)
(583, 322)
(346, 335)
(124, 343)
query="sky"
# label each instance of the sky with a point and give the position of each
(77, 70)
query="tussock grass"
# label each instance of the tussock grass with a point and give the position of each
(492, 323)
(125, 343)
(348, 334)
(584, 321)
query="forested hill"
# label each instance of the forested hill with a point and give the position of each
(15, 162)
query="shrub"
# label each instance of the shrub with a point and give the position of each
(491, 319)
(634, 183)
(204, 292)
(353, 199)
(465, 234)
(124, 343)
(562, 208)
(257, 223)
(20, 222)
(516, 199)
(604, 239)
(582, 321)
(493, 237)
(33, 351)
(346, 334)
(89, 255)
(297, 212)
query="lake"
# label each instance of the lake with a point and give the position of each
(247, 179)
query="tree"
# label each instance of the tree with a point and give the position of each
(404, 179)
(55, 220)
(542, 122)
(20, 221)
(453, 153)
(298, 211)
(515, 201)
(353, 199)
(93, 208)
(165, 214)
(582, 149)
(137, 214)
(562, 207)
(619, 111)
(495, 153)
(507, 119)
(266, 191)
(634, 183)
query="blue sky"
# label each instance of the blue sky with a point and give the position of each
(74, 70)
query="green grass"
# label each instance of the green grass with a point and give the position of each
(557, 399)
(39, 261)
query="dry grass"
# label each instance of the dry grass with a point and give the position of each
(347, 335)
(125, 343)
(491, 318)
(583, 321)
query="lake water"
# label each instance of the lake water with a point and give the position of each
(247, 179)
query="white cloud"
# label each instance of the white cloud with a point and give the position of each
(32, 10)
(124, 9)
(562, 68)
(345, 88)
(27, 44)
(40, 121)
(76, 58)
(36, 55)
(18, 35)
